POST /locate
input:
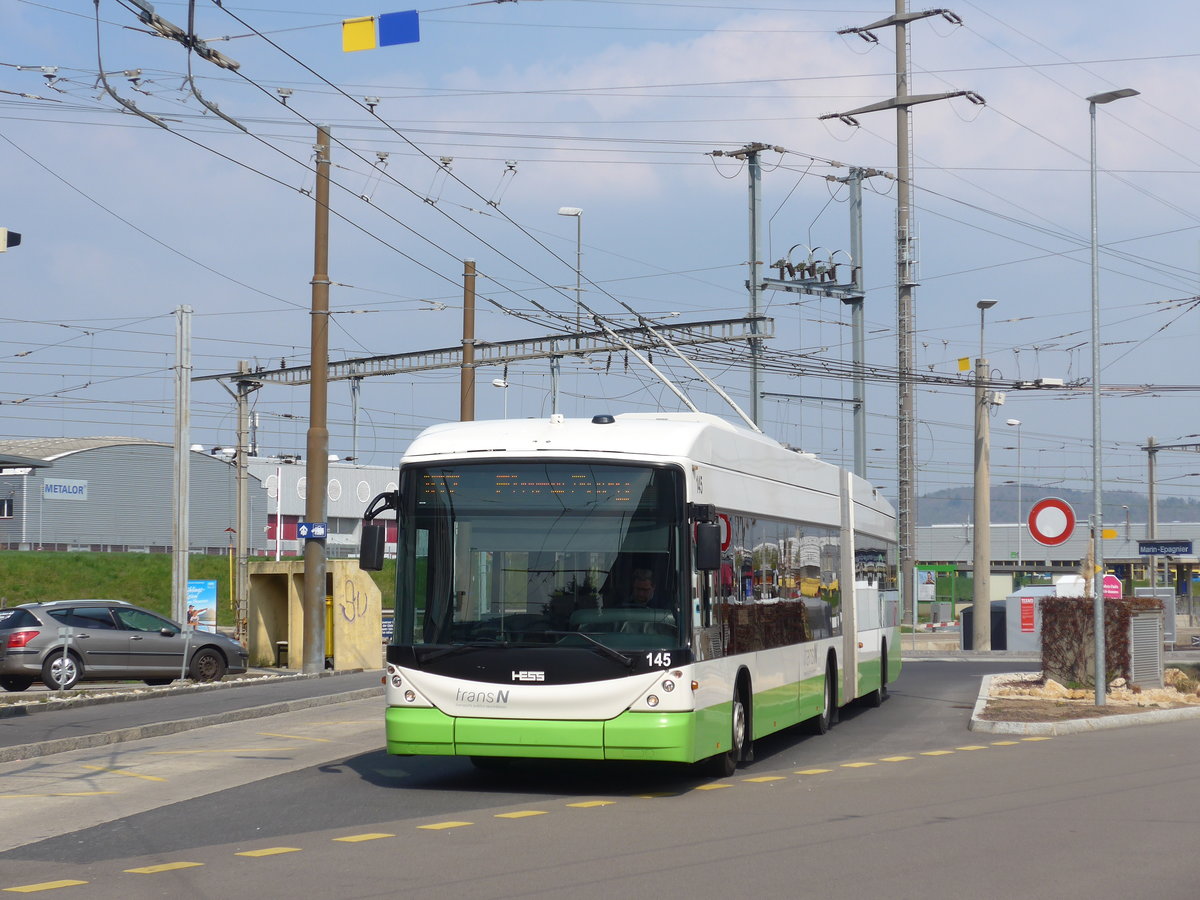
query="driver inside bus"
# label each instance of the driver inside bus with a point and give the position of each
(642, 594)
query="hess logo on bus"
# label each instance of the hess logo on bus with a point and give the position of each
(528, 676)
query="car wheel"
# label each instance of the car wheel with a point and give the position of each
(207, 665)
(15, 683)
(59, 674)
(158, 682)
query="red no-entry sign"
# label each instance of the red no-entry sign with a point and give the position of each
(1051, 521)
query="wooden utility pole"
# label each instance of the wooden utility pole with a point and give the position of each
(466, 395)
(317, 467)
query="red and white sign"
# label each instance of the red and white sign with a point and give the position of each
(726, 531)
(1028, 611)
(1051, 521)
(1112, 588)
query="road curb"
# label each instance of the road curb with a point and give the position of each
(1069, 726)
(159, 729)
(54, 702)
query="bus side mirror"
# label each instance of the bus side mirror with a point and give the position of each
(370, 548)
(708, 546)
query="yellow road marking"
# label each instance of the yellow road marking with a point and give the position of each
(973, 747)
(123, 772)
(230, 750)
(657, 796)
(857, 765)
(438, 826)
(357, 838)
(895, 758)
(1004, 743)
(269, 851)
(295, 737)
(1037, 739)
(44, 886)
(814, 771)
(164, 867)
(936, 752)
(712, 787)
(765, 778)
(522, 814)
(588, 804)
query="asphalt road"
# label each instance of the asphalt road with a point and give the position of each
(897, 801)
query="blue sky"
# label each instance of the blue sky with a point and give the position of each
(612, 107)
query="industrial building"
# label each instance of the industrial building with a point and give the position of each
(114, 494)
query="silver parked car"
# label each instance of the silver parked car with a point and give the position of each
(106, 639)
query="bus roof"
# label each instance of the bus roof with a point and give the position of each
(698, 437)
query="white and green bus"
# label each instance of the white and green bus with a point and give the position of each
(524, 624)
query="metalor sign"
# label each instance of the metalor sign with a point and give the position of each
(1051, 521)
(1164, 548)
(315, 530)
(64, 489)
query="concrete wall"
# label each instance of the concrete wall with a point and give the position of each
(354, 616)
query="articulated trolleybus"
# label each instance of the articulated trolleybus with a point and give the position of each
(636, 587)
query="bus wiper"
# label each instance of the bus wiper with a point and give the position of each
(604, 648)
(462, 648)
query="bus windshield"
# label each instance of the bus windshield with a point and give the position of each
(532, 553)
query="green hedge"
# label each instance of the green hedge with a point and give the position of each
(141, 578)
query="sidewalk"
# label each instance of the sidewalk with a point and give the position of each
(41, 724)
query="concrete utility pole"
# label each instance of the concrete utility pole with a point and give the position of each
(754, 285)
(981, 574)
(182, 463)
(819, 278)
(241, 616)
(466, 384)
(905, 273)
(857, 323)
(317, 444)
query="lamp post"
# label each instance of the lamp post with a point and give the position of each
(1016, 423)
(503, 385)
(981, 631)
(577, 214)
(1097, 518)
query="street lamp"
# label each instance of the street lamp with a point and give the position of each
(577, 213)
(1016, 423)
(1097, 519)
(982, 570)
(503, 384)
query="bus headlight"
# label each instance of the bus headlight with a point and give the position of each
(396, 682)
(668, 685)
(652, 700)
(410, 696)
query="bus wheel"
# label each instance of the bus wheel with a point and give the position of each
(725, 764)
(822, 723)
(876, 697)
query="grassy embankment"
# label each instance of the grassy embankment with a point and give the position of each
(141, 578)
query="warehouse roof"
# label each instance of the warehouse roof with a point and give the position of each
(42, 451)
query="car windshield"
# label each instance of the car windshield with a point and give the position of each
(536, 552)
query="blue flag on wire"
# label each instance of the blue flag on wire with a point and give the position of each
(399, 28)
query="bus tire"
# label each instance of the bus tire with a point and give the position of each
(723, 765)
(828, 715)
(876, 697)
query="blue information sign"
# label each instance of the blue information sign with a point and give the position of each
(315, 530)
(1164, 548)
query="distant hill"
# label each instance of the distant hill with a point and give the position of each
(953, 506)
